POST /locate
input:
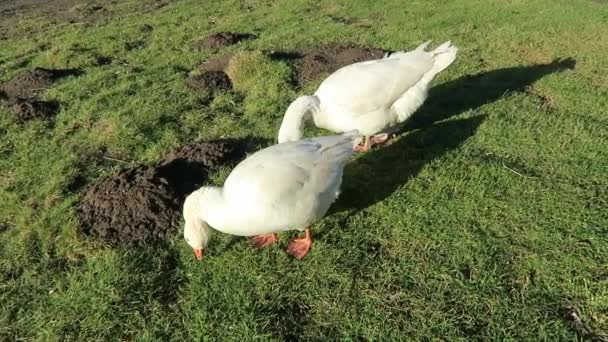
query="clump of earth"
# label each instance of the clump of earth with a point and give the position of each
(143, 204)
(312, 63)
(212, 79)
(223, 39)
(58, 11)
(327, 59)
(22, 92)
(31, 82)
(211, 75)
(26, 109)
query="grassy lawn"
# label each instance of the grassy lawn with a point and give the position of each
(486, 219)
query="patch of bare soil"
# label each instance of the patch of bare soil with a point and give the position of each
(142, 204)
(215, 80)
(21, 93)
(212, 75)
(223, 39)
(31, 82)
(310, 64)
(71, 10)
(61, 11)
(26, 109)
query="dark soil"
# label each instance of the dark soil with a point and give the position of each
(30, 83)
(311, 64)
(212, 75)
(142, 204)
(103, 60)
(21, 92)
(26, 109)
(59, 8)
(133, 205)
(223, 39)
(183, 167)
(61, 11)
(215, 80)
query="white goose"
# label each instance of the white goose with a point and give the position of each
(371, 97)
(282, 187)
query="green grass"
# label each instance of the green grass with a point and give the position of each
(482, 221)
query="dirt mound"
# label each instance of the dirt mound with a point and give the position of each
(59, 11)
(212, 74)
(31, 82)
(186, 167)
(142, 204)
(328, 59)
(310, 64)
(222, 39)
(215, 80)
(133, 205)
(26, 109)
(21, 92)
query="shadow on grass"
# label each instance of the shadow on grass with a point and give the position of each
(473, 91)
(375, 175)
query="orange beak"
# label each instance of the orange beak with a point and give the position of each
(199, 254)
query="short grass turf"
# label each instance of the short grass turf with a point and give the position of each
(486, 219)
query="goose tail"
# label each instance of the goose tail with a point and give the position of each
(443, 56)
(399, 54)
(423, 46)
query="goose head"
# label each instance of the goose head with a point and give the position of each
(196, 229)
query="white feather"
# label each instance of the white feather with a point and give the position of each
(282, 187)
(370, 96)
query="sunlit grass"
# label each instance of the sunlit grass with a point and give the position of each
(483, 220)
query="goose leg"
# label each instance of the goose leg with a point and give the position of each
(367, 145)
(261, 241)
(299, 247)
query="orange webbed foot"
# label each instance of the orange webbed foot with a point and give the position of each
(299, 247)
(261, 241)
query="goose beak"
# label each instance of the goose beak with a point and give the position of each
(199, 254)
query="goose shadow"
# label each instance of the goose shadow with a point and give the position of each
(473, 91)
(374, 176)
